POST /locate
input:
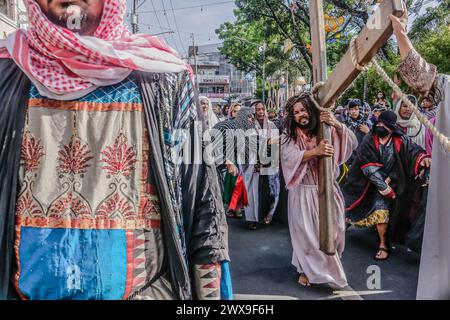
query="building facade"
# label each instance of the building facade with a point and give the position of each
(12, 16)
(216, 78)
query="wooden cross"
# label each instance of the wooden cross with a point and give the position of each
(371, 39)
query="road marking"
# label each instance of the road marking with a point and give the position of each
(352, 294)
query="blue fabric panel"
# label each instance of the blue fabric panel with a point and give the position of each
(72, 264)
(226, 287)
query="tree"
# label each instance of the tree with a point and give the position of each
(435, 48)
(430, 34)
(280, 22)
(434, 19)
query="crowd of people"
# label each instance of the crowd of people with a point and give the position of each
(384, 152)
(382, 158)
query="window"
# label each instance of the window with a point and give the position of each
(7, 8)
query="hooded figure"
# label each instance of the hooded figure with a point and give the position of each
(93, 201)
(231, 146)
(210, 117)
(261, 173)
(357, 120)
(385, 163)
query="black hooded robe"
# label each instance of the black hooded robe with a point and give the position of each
(359, 188)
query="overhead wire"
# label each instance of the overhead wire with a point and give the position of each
(191, 7)
(177, 28)
(168, 23)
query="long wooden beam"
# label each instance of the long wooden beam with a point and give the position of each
(327, 214)
(371, 39)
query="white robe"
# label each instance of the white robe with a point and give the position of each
(251, 178)
(434, 275)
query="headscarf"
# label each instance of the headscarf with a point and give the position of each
(230, 110)
(414, 128)
(367, 114)
(431, 113)
(241, 125)
(341, 114)
(210, 117)
(64, 65)
(240, 122)
(353, 124)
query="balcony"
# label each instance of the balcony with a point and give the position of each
(213, 80)
(215, 95)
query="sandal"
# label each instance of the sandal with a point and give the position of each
(267, 221)
(253, 226)
(238, 215)
(348, 223)
(382, 250)
(230, 214)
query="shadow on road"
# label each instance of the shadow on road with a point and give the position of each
(261, 266)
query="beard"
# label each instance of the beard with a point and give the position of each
(303, 123)
(81, 16)
(74, 18)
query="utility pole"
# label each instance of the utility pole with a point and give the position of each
(264, 73)
(195, 61)
(134, 17)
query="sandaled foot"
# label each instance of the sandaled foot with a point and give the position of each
(230, 214)
(304, 281)
(382, 254)
(267, 221)
(253, 226)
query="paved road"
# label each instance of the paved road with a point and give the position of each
(261, 266)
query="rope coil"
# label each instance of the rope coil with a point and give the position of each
(314, 91)
(443, 140)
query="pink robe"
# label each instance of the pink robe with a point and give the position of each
(303, 208)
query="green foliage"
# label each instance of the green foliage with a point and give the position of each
(270, 22)
(375, 84)
(434, 19)
(435, 48)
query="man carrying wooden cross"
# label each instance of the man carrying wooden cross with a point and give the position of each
(301, 150)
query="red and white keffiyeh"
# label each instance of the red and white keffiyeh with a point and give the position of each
(66, 66)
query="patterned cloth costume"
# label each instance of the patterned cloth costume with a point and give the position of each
(85, 181)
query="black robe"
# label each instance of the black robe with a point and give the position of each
(358, 187)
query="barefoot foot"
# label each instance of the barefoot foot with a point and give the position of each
(304, 281)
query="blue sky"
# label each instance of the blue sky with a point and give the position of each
(200, 21)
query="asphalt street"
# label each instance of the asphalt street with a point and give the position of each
(261, 267)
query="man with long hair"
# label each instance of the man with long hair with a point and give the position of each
(300, 153)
